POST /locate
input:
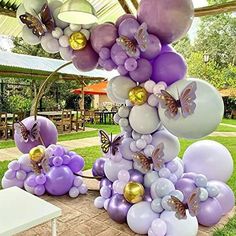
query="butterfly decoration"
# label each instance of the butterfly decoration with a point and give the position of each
(192, 205)
(25, 134)
(42, 164)
(157, 159)
(109, 144)
(186, 102)
(39, 24)
(140, 42)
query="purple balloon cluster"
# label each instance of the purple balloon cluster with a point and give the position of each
(59, 180)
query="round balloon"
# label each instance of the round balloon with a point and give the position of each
(29, 37)
(169, 20)
(207, 157)
(197, 118)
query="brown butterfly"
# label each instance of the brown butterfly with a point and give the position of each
(42, 164)
(192, 205)
(185, 102)
(39, 24)
(157, 159)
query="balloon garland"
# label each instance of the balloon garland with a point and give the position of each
(143, 182)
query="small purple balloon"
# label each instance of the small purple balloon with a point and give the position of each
(14, 165)
(104, 53)
(131, 64)
(210, 212)
(118, 55)
(40, 179)
(59, 180)
(167, 48)
(169, 67)
(66, 159)
(31, 181)
(98, 167)
(76, 163)
(8, 183)
(105, 183)
(109, 65)
(147, 195)
(124, 17)
(10, 174)
(121, 69)
(118, 208)
(58, 151)
(39, 190)
(57, 161)
(128, 28)
(136, 176)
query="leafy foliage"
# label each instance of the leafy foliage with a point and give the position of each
(18, 103)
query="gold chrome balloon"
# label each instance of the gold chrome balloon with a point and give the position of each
(134, 192)
(138, 95)
(36, 154)
(77, 41)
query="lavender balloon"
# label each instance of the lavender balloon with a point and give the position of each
(76, 163)
(124, 17)
(136, 176)
(128, 28)
(118, 208)
(169, 67)
(98, 167)
(105, 183)
(48, 133)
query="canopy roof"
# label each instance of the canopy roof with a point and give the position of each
(24, 66)
(94, 89)
(229, 92)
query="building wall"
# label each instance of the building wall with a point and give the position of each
(99, 100)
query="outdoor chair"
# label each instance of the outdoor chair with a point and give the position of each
(18, 116)
(89, 116)
(3, 125)
(65, 124)
(78, 122)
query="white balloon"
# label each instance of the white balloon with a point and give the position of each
(29, 37)
(207, 114)
(66, 53)
(68, 31)
(140, 217)
(33, 6)
(112, 97)
(144, 119)
(53, 5)
(171, 144)
(58, 22)
(112, 168)
(125, 149)
(75, 28)
(176, 227)
(150, 178)
(87, 26)
(86, 33)
(64, 41)
(99, 202)
(57, 32)
(121, 86)
(209, 158)
(50, 44)
(20, 11)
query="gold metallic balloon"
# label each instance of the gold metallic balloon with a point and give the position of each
(77, 41)
(138, 95)
(36, 154)
(134, 192)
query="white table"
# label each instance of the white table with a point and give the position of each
(20, 210)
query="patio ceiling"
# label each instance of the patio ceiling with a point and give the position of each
(107, 10)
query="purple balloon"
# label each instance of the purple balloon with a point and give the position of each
(105, 183)
(10, 174)
(59, 180)
(76, 163)
(85, 59)
(147, 195)
(131, 64)
(104, 53)
(210, 212)
(8, 183)
(128, 28)
(48, 133)
(169, 20)
(186, 186)
(57, 161)
(136, 176)
(226, 196)
(189, 175)
(154, 48)
(98, 167)
(103, 35)
(118, 55)
(39, 190)
(169, 67)
(118, 208)
(121, 69)
(109, 65)
(31, 181)
(40, 179)
(143, 71)
(167, 48)
(124, 17)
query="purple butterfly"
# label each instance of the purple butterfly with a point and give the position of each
(25, 134)
(185, 102)
(133, 47)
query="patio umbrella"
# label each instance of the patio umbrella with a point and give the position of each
(94, 89)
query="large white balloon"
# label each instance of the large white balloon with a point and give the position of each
(112, 97)
(121, 85)
(171, 144)
(33, 6)
(209, 158)
(29, 37)
(53, 5)
(176, 227)
(112, 168)
(144, 119)
(140, 217)
(58, 22)
(207, 114)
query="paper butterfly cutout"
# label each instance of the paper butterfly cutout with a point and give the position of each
(133, 47)
(157, 159)
(109, 144)
(39, 24)
(192, 205)
(43, 164)
(186, 102)
(25, 134)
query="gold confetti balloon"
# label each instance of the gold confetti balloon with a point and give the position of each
(77, 41)
(36, 154)
(134, 192)
(138, 95)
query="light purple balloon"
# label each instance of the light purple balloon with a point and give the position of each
(30, 181)
(85, 59)
(118, 208)
(125, 149)
(76, 163)
(59, 180)
(21, 175)
(40, 179)
(190, 175)
(83, 189)
(25, 163)
(131, 64)
(57, 161)
(128, 28)
(136, 176)
(118, 55)
(48, 133)
(167, 48)
(105, 183)
(66, 53)
(103, 35)
(210, 212)
(98, 167)
(8, 183)
(153, 49)
(105, 192)
(14, 165)
(143, 71)
(169, 20)
(159, 227)
(105, 53)
(78, 181)
(10, 174)
(124, 17)
(109, 65)
(74, 192)
(66, 159)
(99, 202)
(186, 186)
(39, 190)
(169, 67)
(226, 196)
(121, 70)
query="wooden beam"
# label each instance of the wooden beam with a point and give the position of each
(125, 6)
(215, 9)
(135, 4)
(6, 12)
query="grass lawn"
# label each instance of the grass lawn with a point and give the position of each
(223, 128)
(229, 121)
